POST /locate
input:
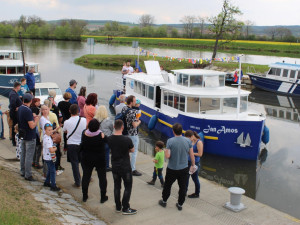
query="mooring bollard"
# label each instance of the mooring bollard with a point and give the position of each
(235, 199)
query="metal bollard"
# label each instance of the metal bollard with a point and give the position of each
(235, 199)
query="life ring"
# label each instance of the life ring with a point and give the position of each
(152, 122)
(112, 99)
(266, 135)
(201, 135)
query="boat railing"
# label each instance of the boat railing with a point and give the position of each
(251, 69)
(119, 83)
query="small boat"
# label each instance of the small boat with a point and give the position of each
(199, 100)
(12, 70)
(282, 78)
(42, 91)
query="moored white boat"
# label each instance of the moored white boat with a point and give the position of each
(200, 101)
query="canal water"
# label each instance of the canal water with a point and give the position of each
(273, 179)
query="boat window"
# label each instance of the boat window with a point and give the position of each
(292, 74)
(179, 79)
(211, 81)
(182, 103)
(57, 91)
(210, 104)
(176, 101)
(2, 70)
(183, 79)
(170, 99)
(143, 90)
(272, 71)
(139, 88)
(44, 91)
(229, 105)
(135, 86)
(37, 92)
(20, 70)
(151, 92)
(285, 73)
(193, 104)
(11, 70)
(222, 80)
(196, 80)
(278, 72)
(244, 104)
(298, 77)
(165, 97)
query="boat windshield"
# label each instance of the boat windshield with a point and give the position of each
(200, 80)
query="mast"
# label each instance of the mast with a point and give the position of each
(239, 87)
(24, 68)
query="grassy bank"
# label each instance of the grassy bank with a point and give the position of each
(254, 47)
(17, 205)
(115, 62)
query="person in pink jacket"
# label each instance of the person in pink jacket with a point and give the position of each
(81, 100)
(90, 107)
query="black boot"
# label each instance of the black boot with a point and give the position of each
(84, 197)
(152, 182)
(104, 197)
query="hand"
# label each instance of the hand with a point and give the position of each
(191, 169)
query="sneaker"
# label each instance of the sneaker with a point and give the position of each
(29, 178)
(118, 210)
(179, 207)
(61, 168)
(76, 185)
(152, 182)
(194, 195)
(59, 172)
(55, 188)
(162, 203)
(103, 199)
(129, 211)
(47, 184)
(136, 173)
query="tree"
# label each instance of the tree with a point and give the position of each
(247, 27)
(272, 31)
(146, 20)
(147, 32)
(201, 21)
(161, 31)
(224, 25)
(174, 33)
(32, 31)
(134, 32)
(283, 33)
(35, 20)
(188, 25)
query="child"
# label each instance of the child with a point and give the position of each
(1, 124)
(159, 163)
(48, 151)
(24, 87)
(137, 107)
(18, 142)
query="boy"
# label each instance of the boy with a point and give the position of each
(48, 150)
(24, 87)
(159, 163)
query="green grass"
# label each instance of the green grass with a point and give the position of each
(115, 62)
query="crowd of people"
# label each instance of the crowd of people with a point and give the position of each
(89, 137)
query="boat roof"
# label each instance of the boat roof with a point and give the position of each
(15, 63)
(10, 51)
(215, 92)
(285, 66)
(46, 85)
(199, 72)
(147, 78)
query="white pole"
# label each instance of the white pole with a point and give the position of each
(138, 55)
(239, 87)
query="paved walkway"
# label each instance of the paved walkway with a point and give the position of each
(206, 210)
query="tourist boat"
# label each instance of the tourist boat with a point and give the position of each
(42, 91)
(199, 100)
(12, 70)
(282, 78)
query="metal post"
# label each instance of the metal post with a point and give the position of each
(138, 55)
(24, 68)
(239, 87)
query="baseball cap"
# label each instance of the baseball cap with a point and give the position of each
(28, 97)
(72, 82)
(138, 101)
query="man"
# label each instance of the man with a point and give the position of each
(31, 79)
(132, 124)
(74, 127)
(126, 70)
(71, 89)
(177, 151)
(120, 147)
(27, 134)
(14, 103)
(119, 107)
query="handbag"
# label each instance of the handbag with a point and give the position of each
(56, 137)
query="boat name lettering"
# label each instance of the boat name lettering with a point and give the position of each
(12, 81)
(223, 129)
(196, 128)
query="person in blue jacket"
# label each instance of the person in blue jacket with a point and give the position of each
(71, 90)
(31, 79)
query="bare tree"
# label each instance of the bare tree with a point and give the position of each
(146, 20)
(201, 21)
(188, 25)
(273, 32)
(224, 25)
(35, 20)
(247, 27)
(283, 32)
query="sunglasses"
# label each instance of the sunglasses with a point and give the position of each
(48, 125)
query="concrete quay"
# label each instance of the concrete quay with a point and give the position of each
(208, 209)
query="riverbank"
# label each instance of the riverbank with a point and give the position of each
(239, 46)
(115, 62)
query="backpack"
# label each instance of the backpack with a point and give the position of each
(122, 116)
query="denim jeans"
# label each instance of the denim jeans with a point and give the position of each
(195, 178)
(72, 154)
(133, 155)
(51, 173)
(107, 151)
(27, 152)
(37, 154)
(126, 176)
(158, 173)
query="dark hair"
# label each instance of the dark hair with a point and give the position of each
(91, 99)
(128, 60)
(82, 91)
(35, 100)
(177, 128)
(130, 99)
(94, 125)
(118, 124)
(197, 135)
(17, 84)
(189, 133)
(22, 79)
(159, 144)
(74, 109)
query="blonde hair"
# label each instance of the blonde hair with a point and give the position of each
(48, 103)
(101, 113)
(52, 93)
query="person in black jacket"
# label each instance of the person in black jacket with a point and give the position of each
(14, 103)
(93, 155)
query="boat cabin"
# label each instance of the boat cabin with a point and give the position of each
(284, 71)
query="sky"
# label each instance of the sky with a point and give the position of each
(260, 12)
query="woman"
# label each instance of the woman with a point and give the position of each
(93, 155)
(198, 151)
(107, 127)
(53, 107)
(89, 107)
(81, 100)
(64, 107)
(35, 106)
